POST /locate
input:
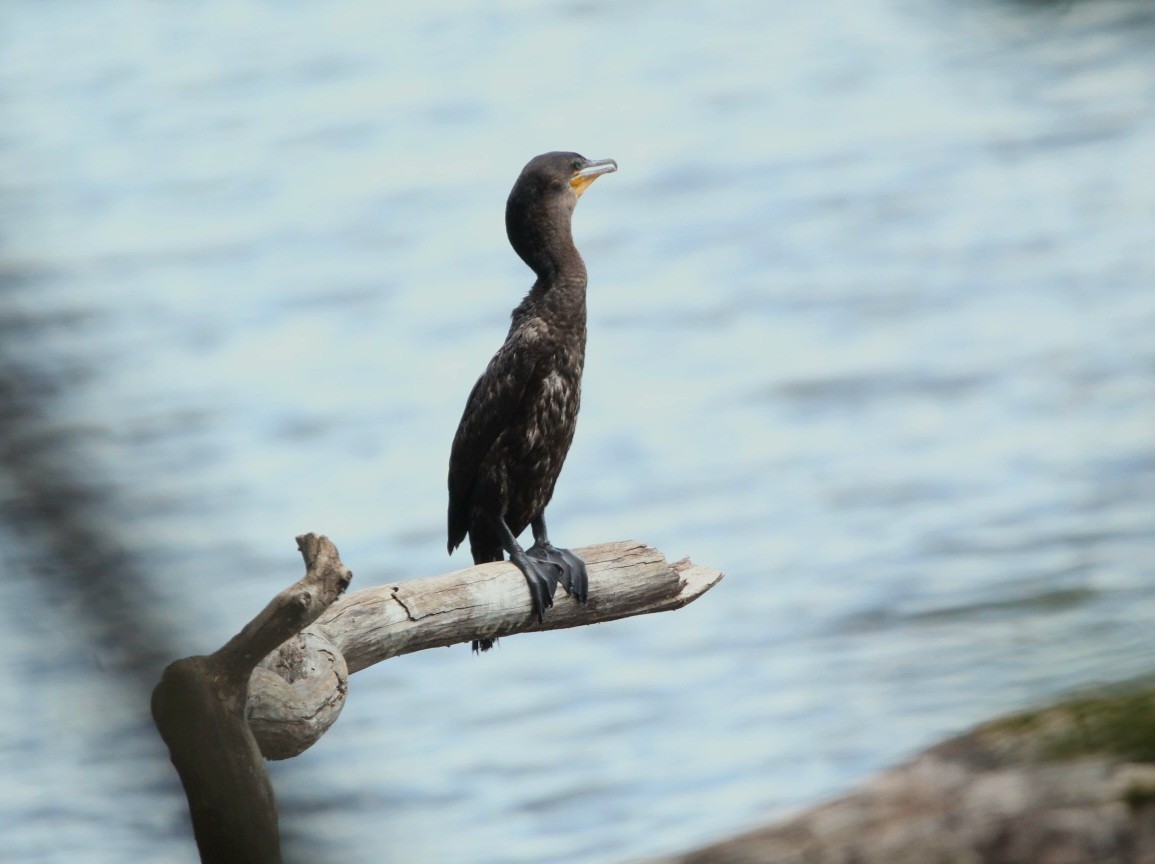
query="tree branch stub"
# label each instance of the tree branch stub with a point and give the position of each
(200, 708)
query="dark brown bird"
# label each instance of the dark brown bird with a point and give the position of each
(520, 417)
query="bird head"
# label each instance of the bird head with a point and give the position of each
(538, 212)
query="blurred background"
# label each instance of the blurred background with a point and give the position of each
(871, 330)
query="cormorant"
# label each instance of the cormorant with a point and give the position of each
(520, 417)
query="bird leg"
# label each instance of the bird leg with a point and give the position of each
(571, 570)
(542, 583)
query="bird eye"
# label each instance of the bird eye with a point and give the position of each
(577, 164)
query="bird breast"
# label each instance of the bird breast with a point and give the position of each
(552, 417)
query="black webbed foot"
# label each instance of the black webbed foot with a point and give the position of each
(541, 580)
(570, 570)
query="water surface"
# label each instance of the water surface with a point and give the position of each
(870, 331)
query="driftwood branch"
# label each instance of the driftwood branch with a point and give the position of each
(199, 707)
(278, 685)
(490, 600)
(298, 691)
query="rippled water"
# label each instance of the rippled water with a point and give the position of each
(871, 320)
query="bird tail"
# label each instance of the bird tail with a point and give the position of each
(485, 547)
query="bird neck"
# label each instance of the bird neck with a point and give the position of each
(543, 239)
(541, 234)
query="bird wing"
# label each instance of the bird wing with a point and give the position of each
(491, 408)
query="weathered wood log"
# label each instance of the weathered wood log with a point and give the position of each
(199, 707)
(298, 691)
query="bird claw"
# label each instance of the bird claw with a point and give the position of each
(542, 584)
(571, 570)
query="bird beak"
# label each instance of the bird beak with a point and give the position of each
(593, 169)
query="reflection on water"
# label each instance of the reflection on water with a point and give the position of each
(870, 331)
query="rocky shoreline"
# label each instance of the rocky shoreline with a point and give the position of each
(1073, 783)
